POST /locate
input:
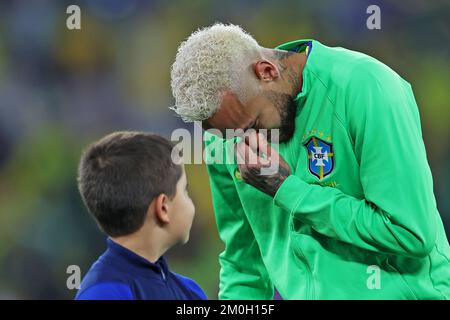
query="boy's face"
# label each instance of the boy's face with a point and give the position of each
(182, 211)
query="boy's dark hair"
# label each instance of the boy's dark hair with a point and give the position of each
(121, 174)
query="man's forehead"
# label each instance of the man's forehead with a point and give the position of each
(231, 114)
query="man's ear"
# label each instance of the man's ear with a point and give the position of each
(266, 70)
(162, 208)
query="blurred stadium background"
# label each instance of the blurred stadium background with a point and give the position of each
(61, 89)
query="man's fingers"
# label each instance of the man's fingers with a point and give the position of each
(240, 155)
(258, 143)
(247, 156)
(251, 139)
(264, 148)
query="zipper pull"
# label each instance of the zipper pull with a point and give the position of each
(163, 275)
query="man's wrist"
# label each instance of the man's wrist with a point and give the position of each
(278, 184)
(290, 193)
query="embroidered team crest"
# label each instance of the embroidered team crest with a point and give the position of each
(320, 157)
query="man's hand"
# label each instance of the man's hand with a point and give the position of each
(260, 165)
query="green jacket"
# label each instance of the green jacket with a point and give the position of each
(357, 218)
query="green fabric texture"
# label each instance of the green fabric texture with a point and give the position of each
(373, 215)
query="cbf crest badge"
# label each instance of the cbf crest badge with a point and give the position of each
(320, 157)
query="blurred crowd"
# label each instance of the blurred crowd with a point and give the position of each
(61, 89)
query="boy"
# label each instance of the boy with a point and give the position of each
(139, 198)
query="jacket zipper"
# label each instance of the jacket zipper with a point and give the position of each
(301, 256)
(162, 274)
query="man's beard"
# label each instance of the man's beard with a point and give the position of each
(286, 109)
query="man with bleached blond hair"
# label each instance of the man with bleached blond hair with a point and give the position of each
(350, 213)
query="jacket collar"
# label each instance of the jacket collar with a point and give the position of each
(135, 261)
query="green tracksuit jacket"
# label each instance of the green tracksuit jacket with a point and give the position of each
(357, 218)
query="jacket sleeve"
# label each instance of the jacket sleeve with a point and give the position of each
(243, 274)
(398, 212)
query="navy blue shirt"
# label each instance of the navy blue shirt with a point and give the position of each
(120, 274)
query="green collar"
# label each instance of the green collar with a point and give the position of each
(305, 73)
(292, 44)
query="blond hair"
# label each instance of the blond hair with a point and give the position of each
(212, 60)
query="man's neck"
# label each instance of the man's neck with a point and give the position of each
(291, 66)
(295, 64)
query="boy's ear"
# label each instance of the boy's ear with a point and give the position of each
(266, 70)
(162, 208)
